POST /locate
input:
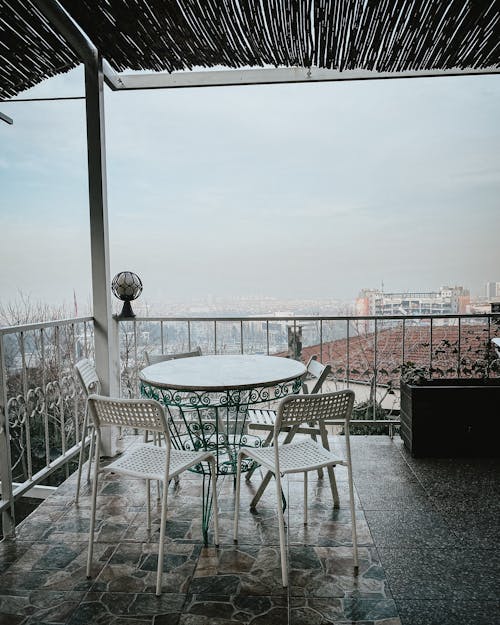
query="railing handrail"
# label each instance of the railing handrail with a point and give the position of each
(28, 327)
(316, 317)
(69, 321)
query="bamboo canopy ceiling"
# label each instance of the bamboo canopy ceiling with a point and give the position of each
(169, 35)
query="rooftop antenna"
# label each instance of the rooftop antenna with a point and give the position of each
(382, 286)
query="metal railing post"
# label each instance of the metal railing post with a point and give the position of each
(375, 367)
(459, 347)
(321, 340)
(431, 343)
(348, 354)
(8, 518)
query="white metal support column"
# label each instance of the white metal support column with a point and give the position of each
(8, 523)
(104, 334)
(106, 346)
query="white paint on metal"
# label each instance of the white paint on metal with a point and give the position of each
(105, 360)
(8, 522)
(240, 77)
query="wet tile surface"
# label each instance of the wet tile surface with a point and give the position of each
(428, 537)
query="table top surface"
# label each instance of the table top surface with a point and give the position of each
(222, 373)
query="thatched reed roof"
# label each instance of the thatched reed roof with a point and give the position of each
(168, 35)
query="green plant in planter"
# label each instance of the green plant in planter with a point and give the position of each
(476, 362)
(413, 373)
(445, 415)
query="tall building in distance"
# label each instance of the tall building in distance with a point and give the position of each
(446, 301)
(492, 290)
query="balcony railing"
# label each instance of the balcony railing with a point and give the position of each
(42, 405)
(366, 350)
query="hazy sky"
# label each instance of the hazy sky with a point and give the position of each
(313, 190)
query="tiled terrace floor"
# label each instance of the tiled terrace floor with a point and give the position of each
(429, 552)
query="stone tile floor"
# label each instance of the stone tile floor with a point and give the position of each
(429, 555)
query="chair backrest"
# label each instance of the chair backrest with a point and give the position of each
(145, 414)
(87, 376)
(319, 372)
(153, 359)
(296, 409)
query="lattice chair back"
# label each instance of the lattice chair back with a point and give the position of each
(297, 409)
(153, 359)
(87, 375)
(319, 372)
(142, 414)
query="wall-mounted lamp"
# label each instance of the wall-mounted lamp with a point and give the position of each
(126, 286)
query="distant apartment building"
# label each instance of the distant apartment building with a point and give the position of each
(446, 301)
(492, 290)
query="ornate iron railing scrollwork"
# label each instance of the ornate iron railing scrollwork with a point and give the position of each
(216, 421)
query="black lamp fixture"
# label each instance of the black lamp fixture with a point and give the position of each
(126, 286)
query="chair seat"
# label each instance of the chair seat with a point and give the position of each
(295, 457)
(148, 462)
(261, 419)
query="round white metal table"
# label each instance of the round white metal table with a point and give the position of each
(207, 397)
(207, 400)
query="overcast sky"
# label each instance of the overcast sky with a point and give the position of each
(313, 190)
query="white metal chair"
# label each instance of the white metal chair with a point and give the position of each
(153, 359)
(145, 461)
(264, 420)
(304, 455)
(87, 376)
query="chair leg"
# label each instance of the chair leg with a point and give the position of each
(333, 486)
(305, 497)
(82, 454)
(92, 516)
(213, 471)
(320, 470)
(353, 519)
(329, 469)
(281, 526)
(92, 450)
(161, 545)
(266, 443)
(148, 504)
(261, 489)
(269, 475)
(157, 442)
(351, 498)
(237, 498)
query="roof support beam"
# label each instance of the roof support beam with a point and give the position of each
(64, 24)
(235, 77)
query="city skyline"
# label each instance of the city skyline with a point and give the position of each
(293, 191)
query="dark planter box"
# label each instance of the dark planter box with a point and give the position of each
(450, 418)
